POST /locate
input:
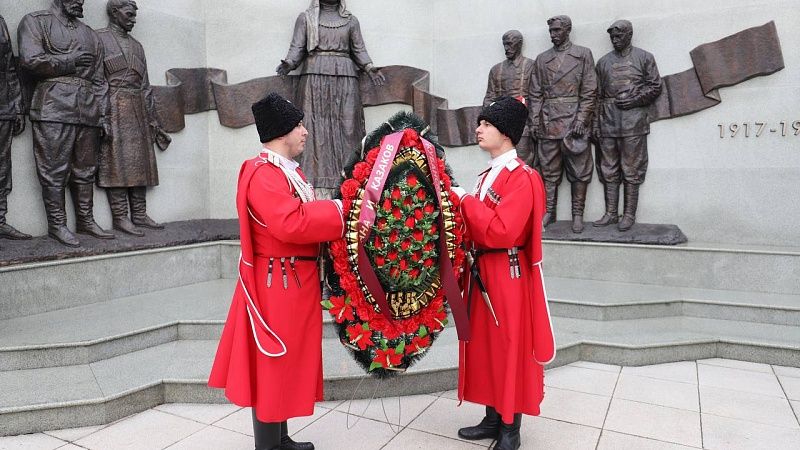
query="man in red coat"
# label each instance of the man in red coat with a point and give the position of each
(502, 364)
(270, 353)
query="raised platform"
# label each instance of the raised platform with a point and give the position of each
(640, 233)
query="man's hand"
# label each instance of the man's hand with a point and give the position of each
(377, 77)
(283, 69)
(84, 59)
(626, 103)
(105, 132)
(459, 191)
(579, 129)
(19, 124)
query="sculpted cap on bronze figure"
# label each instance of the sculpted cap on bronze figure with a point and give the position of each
(65, 58)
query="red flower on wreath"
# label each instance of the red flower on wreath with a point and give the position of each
(412, 180)
(417, 344)
(407, 201)
(372, 156)
(428, 209)
(381, 223)
(394, 272)
(428, 262)
(350, 188)
(405, 245)
(397, 213)
(394, 236)
(387, 205)
(378, 243)
(403, 264)
(361, 171)
(418, 214)
(396, 194)
(388, 357)
(357, 335)
(380, 261)
(418, 235)
(428, 247)
(340, 310)
(392, 255)
(410, 222)
(421, 194)
(417, 256)
(414, 273)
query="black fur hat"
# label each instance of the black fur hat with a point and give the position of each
(508, 115)
(275, 116)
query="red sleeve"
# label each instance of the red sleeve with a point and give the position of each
(502, 226)
(289, 219)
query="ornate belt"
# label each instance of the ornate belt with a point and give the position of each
(75, 81)
(562, 100)
(282, 260)
(513, 258)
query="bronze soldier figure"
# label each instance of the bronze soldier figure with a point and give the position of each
(127, 161)
(327, 41)
(628, 82)
(512, 77)
(12, 123)
(67, 112)
(563, 89)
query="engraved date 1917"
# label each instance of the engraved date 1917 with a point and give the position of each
(756, 129)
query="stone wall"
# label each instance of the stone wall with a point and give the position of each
(731, 190)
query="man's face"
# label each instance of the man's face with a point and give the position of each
(512, 47)
(296, 140)
(72, 8)
(620, 39)
(489, 138)
(558, 33)
(125, 17)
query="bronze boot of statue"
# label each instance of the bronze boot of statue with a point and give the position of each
(118, 201)
(551, 192)
(139, 209)
(488, 428)
(612, 206)
(83, 202)
(6, 230)
(57, 217)
(578, 203)
(288, 444)
(631, 202)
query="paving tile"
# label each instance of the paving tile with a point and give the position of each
(791, 386)
(747, 406)
(241, 422)
(452, 395)
(148, 430)
(39, 441)
(739, 380)
(656, 422)
(444, 417)
(580, 379)
(683, 371)
(48, 385)
(575, 407)
(611, 440)
(540, 432)
(658, 392)
(733, 364)
(796, 408)
(70, 447)
(793, 372)
(413, 439)
(202, 413)
(297, 424)
(596, 366)
(331, 433)
(213, 438)
(408, 408)
(73, 434)
(732, 434)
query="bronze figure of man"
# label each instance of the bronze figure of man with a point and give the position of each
(12, 123)
(512, 77)
(127, 161)
(328, 47)
(563, 89)
(628, 82)
(67, 113)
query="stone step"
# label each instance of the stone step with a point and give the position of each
(89, 333)
(89, 394)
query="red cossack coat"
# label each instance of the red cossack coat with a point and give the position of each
(270, 353)
(502, 366)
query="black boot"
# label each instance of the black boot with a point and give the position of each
(53, 198)
(509, 435)
(551, 193)
(6, 230)
(139, 215)
(83, 202)
(288, 444)
(267, 435)
(612, 206)
(487, 429)
(631, 202)
(578, 203)
(118, 201)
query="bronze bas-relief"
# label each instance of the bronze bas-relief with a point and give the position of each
(512, 77)
(563, 100)
(12, 123)
(68, 112)
(329, 49)
(628, 83)
(127, 161)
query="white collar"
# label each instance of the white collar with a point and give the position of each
(280, 159)
(502, 160)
